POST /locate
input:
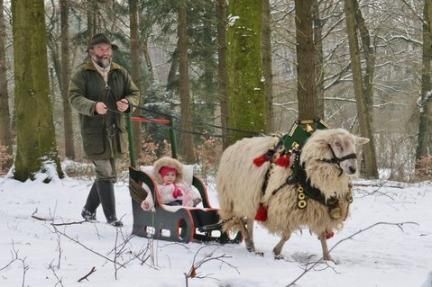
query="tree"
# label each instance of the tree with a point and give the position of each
(65, 77)
(306, 80)
(5, 131)
(36, 143)
(319, 60)
(92, 23)
(364, 115)
(424, 146)
(185, 100)
(267, 64)
(247, 102)
(221, 9)
(135, 72)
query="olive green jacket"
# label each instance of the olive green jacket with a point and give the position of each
(104, 136)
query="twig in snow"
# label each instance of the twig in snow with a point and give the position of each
(15, 257)
(68, 223)
(399, 225)
(59, 280)
(85, 247)
(40, 218)
(85, 277)
(376, 191)
(207, 258)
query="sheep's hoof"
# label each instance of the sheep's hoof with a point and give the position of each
(259, 253)
(329, 258)
(278, 257)
(250, 247)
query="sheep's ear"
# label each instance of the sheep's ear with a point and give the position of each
(361, 140)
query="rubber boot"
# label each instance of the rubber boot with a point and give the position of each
(105, 190)
(93, 201)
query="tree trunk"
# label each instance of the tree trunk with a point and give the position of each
(371, 170)
(185, 99)
(92, 9)
(267, 64)
(369, 54)
(135, 72)
(319, 60)
(305, 48)
(36, 143)
(247, 102)
(424, 143)
(221, 9)
(209, 69)
(65, 77)
(5, 124)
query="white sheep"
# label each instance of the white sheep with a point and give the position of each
(315, 192)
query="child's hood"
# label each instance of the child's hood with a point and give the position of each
(170, 162)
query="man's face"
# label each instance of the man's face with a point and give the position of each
(101, 54)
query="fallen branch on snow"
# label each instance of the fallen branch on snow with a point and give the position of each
(312, 266)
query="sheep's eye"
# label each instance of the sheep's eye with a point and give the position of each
(339, 146)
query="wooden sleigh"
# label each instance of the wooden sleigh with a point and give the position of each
(175, 223)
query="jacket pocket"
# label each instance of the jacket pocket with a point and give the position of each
(94, 144)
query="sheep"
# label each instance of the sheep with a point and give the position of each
(314, 191)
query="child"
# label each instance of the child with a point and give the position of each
(168, 175)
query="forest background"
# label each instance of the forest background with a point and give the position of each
(222, 71)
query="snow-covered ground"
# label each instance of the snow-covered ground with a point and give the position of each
(387, 241)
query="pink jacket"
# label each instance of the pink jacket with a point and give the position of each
(172, 192)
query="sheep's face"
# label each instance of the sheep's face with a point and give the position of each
(344, 151)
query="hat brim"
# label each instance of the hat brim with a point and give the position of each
(114, 47)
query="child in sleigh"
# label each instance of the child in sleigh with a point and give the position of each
(171, 188)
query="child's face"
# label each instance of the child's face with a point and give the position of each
(169, 177)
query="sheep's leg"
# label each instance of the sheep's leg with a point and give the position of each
(244, 229)
(250, 229)
(278, 247)
(326, 253)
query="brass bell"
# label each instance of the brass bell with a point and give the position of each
(336, 213)
(301, 204)
(301, 196)
(300, 189)
(309, 128)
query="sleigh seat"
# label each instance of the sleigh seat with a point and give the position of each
(175, 223)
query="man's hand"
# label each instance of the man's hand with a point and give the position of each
(101, 108)
(122, 105)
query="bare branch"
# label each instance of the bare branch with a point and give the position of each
(38, 217)
(192, 273)
(85, 277)
(68, 223)
(314, 264)
(87, 248)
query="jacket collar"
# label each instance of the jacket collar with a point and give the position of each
(88, 65)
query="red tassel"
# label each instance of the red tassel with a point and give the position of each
(259, 161)
(328, 234)
(283, 161)
(261, 214)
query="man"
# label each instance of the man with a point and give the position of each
(102, 92)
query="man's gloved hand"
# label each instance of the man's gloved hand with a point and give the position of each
(122, 105)
(101, 108)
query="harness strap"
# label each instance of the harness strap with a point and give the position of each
(338, 160)
(267, 174)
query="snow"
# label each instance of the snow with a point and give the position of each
(387, 241)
